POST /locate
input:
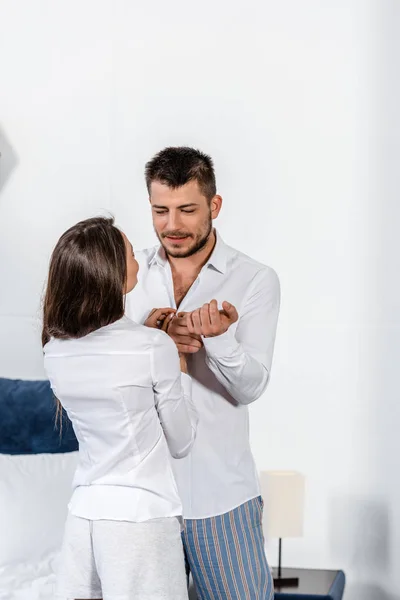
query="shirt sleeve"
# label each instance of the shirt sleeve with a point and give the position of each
(241, 360)
(173, 397)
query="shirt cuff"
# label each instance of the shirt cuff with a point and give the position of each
(221, 345)
(186, 384)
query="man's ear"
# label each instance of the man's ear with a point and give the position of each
(215, 205)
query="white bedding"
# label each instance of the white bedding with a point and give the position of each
(38, 589)
(34, 494)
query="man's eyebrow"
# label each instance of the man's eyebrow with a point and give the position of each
(189, 204)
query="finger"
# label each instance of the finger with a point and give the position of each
(187, 330)
(183, 317)
(187, 349)
(190, 325)
(205, 319)
(190, 329)
(187, 341)
(164, 311)
(195, 317)
(159, 319)
(167, 322)
(231, 311)
(215, 317)
(177, 328)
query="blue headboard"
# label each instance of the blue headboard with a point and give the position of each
(27, 419)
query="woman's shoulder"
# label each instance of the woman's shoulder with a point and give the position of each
(123, 336)
(143, 337)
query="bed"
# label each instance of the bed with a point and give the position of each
(36, 470)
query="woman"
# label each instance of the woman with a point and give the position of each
(121, 386)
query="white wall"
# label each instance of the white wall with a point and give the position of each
(296, 103)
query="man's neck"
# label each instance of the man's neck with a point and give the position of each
(194, 263)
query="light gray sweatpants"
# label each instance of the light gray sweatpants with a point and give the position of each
(121, 560)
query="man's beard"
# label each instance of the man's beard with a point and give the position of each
(201, 241)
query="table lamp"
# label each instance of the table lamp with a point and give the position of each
(283, 493)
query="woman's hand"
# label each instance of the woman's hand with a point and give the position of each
(159, 318)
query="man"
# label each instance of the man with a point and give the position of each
(225, 310)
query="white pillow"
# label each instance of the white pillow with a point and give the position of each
(34, 494)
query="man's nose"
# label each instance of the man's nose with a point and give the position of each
(174, 220)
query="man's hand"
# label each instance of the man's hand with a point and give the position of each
(177, 329)
(160, 317)
(209, 321)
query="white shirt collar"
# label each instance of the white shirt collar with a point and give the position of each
(218, 259)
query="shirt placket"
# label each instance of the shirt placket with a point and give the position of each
(170, 287)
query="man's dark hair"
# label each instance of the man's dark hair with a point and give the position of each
(175, 167)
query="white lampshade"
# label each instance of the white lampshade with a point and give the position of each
(283, 493)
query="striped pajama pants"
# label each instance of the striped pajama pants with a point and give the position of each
(226, 556)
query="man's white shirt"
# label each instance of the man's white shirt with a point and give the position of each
(228, 373)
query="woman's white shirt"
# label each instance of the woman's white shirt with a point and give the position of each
(131, 409)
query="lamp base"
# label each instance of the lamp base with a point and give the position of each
(280, 581)
(286, 582)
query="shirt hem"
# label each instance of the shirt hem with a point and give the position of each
(224, 512)
(82, 514)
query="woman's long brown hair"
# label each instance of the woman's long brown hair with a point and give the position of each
(86, 281)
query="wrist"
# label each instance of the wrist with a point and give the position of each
(183, 363)
(214, 335)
